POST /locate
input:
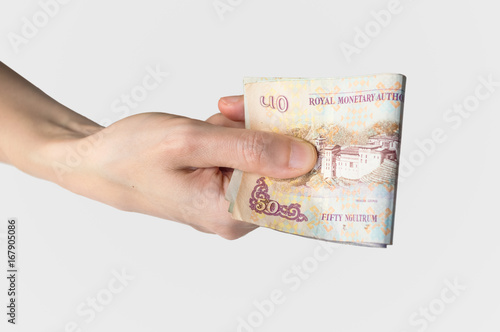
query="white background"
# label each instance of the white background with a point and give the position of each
(447, 220)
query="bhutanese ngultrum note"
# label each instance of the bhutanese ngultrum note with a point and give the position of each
(355, 125)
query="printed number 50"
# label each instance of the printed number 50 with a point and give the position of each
(280, 103)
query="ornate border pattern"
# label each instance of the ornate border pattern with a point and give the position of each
(261, 202)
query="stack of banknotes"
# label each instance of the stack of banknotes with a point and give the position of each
(355, 125)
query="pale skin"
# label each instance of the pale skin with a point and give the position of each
(158, 164)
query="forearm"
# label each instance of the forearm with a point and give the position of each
(158, 164)
(32, 123)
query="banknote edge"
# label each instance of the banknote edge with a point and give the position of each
(357, 244)
(251, 79)
(396, 184)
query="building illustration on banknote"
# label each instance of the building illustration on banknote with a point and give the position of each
(372, 162)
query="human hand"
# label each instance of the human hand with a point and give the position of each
(179, 168)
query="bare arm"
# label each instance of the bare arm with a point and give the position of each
(159, 164)
(31, 123)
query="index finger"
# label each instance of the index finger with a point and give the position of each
(233, 107)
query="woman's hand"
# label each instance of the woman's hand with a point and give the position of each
(179, 168)
(158, 164)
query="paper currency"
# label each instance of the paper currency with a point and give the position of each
(355, 125)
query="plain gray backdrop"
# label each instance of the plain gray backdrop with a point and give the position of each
(86, 54)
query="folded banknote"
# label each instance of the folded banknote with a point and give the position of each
(355, 125)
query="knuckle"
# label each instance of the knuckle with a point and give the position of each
(216, 119)
(181, 137)
(253, 147)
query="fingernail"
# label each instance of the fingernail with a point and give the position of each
(230, 99)
(302, 156)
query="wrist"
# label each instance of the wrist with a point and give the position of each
(84, 162)
(57, 151)
(66, 159)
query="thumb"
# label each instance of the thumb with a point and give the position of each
(258, 152)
